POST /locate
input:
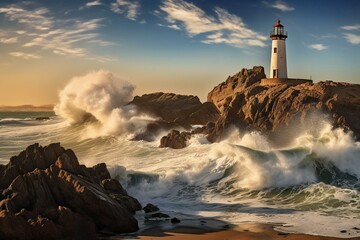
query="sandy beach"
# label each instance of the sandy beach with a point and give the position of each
(243, 232)
(212, 229)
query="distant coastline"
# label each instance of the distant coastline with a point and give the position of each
(27, 108)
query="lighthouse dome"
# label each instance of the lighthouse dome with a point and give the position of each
(278, 24)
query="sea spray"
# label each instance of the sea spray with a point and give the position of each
(336, 146)
(101, 98)
(244, 178)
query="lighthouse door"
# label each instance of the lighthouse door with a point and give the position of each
(275, 73)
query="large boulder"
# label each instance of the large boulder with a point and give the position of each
(223, 93)
(47, 194)
(175, 139)
(182, 109)
(248, 105)
(172, 111)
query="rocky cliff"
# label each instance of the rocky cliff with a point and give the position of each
(170, 107)
(172, 111)
(246, 104)
(46, 194)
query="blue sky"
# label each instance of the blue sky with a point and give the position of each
(178, 46)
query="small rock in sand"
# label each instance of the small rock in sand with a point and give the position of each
(159, 215)
(175, 220)
(149, 208)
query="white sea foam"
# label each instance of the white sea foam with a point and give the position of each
(101, 96)
(243, 178)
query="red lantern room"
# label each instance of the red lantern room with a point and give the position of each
(278, 32)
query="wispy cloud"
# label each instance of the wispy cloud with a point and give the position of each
(38, 28)
(351, 27)
(322, 37)
(9, 40)
(101, 42)
(172, 26)
(93, 3)
(36, 18)
(62, 41)
(352, 38)
(318, 46)
(24, 55)
(280, 5)
(130, 8)
(224, 27)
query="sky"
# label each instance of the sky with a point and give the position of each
(180, 46)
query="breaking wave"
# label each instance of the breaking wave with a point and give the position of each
(101, 99)
(314, 178)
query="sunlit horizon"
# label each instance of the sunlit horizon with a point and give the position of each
(185, 47)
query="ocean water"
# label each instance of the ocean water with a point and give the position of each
(309, 186)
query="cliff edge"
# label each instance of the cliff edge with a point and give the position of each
(244, 103)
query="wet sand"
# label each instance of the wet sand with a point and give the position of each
(208, 231)
(243, 232)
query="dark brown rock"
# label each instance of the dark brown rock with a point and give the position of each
(101, 171)
(68, 161)
(182, 109)
(130, 203)
(159, 215)
(149, 208)
(75, 224)
(249, 106)
(175, 139)
(222, 94)
(113, 186)
(172, 112)
(13, 227)
(175, 220)
(49, 195)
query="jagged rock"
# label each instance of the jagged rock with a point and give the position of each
(222, 94)
(113, 186)
(149, 208)
(175, 220)
(173, 112)
(205, 129)
(181, 109)
(42, 118)
(246, 104)
(49, 195)
(117, 192)
(159, 215)
(130, 203)
(101, 171)
(154, 128)
(68, 161)
(175, 139)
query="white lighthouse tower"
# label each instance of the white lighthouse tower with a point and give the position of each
(278, 68)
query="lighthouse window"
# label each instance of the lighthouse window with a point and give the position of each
(275, 50)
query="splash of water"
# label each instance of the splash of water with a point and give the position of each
(102, 98)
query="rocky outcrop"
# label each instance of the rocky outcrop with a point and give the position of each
(47, 194)
(172, 111)
(244, 103)
(182, 109)
(175, 139)
(150, 208)
(223, 93)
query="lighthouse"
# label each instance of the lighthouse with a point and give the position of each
(278, 68)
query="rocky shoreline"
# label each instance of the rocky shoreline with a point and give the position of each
(244, 103)
(47, 194)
